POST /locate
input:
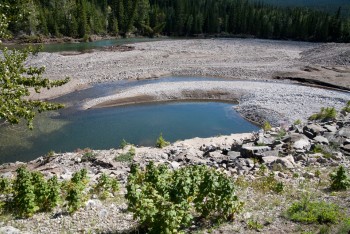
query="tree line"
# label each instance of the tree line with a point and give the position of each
(80, 18)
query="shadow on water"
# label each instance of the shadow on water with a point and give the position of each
(139, 124)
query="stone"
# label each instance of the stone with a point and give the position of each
(314, 129)
(300, 157)
(344, 132)
(338, 156)
(232, 155)
(9, 230)
(286, 162)
(346, 148)
(321, 140)
(331, 128)
(302, 144)
(271, 153)
(175, 165)
(269, 159)
(253, 151)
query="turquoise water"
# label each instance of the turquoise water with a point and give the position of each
(105, 128)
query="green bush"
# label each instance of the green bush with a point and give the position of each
(347, 107)
(74, 190)
(307, 211)
(161, 143)
(339, 179)
(267, 126)
(325, 114)
(24, 204)
(123, 144)
(297, 122)
(126, 157)
(105, 185)
(268, 184)
(164, 201)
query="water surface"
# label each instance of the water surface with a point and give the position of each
(105, 128)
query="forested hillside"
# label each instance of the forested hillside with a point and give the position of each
(80, 18)
(330, 6)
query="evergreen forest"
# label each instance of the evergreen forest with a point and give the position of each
(81, 18)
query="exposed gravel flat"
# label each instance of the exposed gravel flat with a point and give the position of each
(285, 102)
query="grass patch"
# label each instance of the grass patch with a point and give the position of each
(268, 184)
(126, 157)
(347, 107)
(267, 126)
(325, 114)
(307, 211)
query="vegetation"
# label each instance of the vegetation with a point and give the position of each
(81, 18)
(307, 211)
(31, 192)
(297, 122)
(126, 157)
(161, 142)
(325, 114)
(16, 80)
(267, 126)
(267, 183)
(105, 186)
(347, 107)
(325, 150)
(339, 179)
(164, 201)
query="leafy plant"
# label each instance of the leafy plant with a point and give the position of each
(339, 179)
(267, 126)
(24, 203)
(16, 79)
(163, 200)
(347, 107)
(325, 150)
(123, 144)
(46, 191)
(307, 211)
(268, 184)
(126, 157)
(88, 157)
(297, 122)
(105, 185)
(161, 143)
(325, 114)
(75, 190)
(254, 225)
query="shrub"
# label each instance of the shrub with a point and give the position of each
(105, 185)
(325, 150)
(127, 157)
(267, 126)
(297, 122)
(74, 190)
(123, 144)
(325, 114)
(88, 157)
(161, 143)
(339, 179)
(163, 200)
(268, 184)
(306, 211)
(24, 194)
(347, 107)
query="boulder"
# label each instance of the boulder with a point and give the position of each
(175, 165)
(253, 151)
(9, 230)
(321, 140)
(344, 132)
(302, 143)
(286, 162)
(314, 129)
(331, 128)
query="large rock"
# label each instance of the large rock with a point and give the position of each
(321, 140)
(9, 230)
(286, 162)
(253, 151)
(344, 132)
(313, 130)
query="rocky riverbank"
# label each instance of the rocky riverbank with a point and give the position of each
(300, 156)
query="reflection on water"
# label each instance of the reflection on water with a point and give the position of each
(105, 128)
